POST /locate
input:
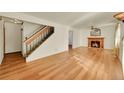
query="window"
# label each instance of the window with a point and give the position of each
(117, 39)
(123, 56)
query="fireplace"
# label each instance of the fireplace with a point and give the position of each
(96, 41)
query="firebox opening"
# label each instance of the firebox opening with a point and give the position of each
(95, 44)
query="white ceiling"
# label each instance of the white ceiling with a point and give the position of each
(77, 19)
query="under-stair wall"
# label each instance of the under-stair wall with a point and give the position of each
(53, 45)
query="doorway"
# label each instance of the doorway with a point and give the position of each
(12, 42)
(70, 45)
(13, 35)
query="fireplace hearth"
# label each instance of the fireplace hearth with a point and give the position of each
(96, 41)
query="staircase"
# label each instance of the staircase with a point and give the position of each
(37, 38)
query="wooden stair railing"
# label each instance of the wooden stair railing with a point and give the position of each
(35, 31)
(34, 41)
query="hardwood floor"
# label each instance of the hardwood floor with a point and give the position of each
(80, 64)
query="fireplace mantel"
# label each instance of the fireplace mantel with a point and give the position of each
(96, 39)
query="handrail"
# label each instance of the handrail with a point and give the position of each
(35, 31)
(34, 36)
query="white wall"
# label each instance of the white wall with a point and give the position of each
(107, 31)
(76, 39)
(56, 43)
(12, 37)
(29, 28)
(1, 42)
(84, 33)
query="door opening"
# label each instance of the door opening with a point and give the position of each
(12, 41)
(70, 45)
(13, 35)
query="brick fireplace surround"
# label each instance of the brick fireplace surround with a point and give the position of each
(96, 41)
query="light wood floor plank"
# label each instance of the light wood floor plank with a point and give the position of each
(77, 64)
